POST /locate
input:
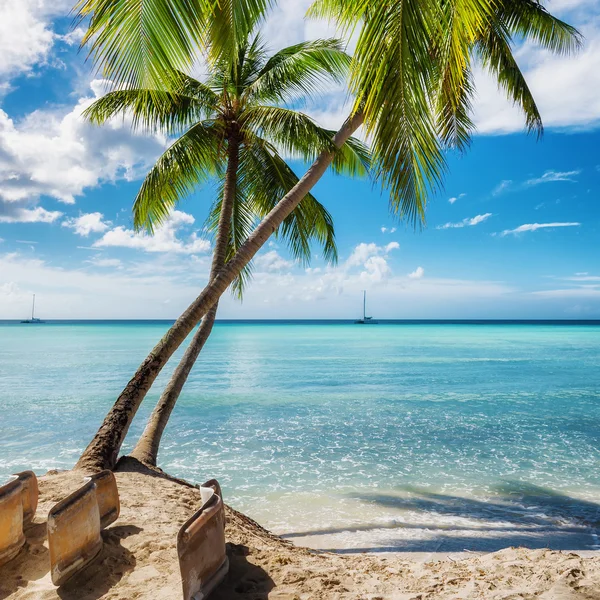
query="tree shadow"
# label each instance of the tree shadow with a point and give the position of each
(32, 564)
(519, 514)
(106, 570)
(244, 580)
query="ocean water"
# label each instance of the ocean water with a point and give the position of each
(410, 437)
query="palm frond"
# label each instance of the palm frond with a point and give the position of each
(496, 54)
(293, 132)
(300, 71)
(451, 43)
(231, 22)
(151, 110)
(139, 43)
(265, 178)
(530, 20)
(393, 78)
(192, 160)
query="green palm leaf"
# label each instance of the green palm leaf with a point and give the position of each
(300, 71)
(193, 159)
(151, 110)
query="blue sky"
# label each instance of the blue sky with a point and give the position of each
(514, 234)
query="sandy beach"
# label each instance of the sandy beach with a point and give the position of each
(139, 559)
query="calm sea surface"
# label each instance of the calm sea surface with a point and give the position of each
(408, 437)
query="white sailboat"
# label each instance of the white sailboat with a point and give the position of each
(365, 320)
(33, 318)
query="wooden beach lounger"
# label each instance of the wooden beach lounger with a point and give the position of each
(12, 537)
(30, 494)
(107, 496)
(201, 546)
(75, 525)
(18, 502)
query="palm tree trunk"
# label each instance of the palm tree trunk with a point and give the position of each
(102, 451)
(146, 449)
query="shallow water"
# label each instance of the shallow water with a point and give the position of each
(408, 437)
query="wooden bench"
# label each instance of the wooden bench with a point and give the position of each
(76, 522)
(201, 546)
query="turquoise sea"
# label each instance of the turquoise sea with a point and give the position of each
(413, 437)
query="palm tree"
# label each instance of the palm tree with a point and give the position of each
(412, 81)
(229, 120)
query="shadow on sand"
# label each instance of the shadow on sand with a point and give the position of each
(244, 579)
(519, 514)
(33, 565)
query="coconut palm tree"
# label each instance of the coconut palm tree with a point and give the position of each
(229, 129)
(411, 77)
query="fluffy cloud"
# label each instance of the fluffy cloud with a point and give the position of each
(57, 154)
(272, 261)
(565, 87)
(468, 222)
(87, 223)
(25, 36)
(372, 259)
(417, 273)
(163, 286)
(17, 214)
(536, 226)
(164, 239)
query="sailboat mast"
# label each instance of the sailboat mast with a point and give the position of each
(33, 307)
(364, 304)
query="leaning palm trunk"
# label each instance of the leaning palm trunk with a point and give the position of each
(102, 452)
(146, 449)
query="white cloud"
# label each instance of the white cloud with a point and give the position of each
(87, 223)
(165, 238)
(468, 222)
(579, 292)
(109, 263)
(383, 229)
(417, 273)
(550, 176)
(455, 198)
(25, 38)
(536, 226)
(372, 259)
(57, 154)
(363, 251)
(582, 277)
(16, 214)
(565, 87)
(272, 261)
(142, 289)
(502, 187)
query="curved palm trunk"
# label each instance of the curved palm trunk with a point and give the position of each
(146, 449)
(103, 450)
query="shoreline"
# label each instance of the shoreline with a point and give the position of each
(139, 559)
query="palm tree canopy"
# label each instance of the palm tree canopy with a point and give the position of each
(140, 43)
(233, 103)
(412, 77)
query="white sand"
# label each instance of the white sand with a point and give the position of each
(139, 560)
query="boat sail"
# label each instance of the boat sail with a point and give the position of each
(33, 318)
(365, 320)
